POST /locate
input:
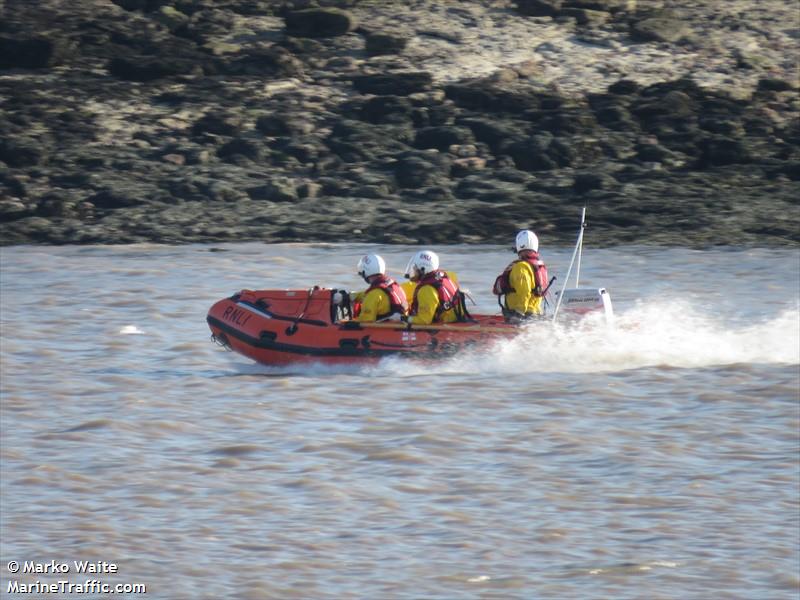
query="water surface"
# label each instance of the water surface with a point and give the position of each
(655, 459)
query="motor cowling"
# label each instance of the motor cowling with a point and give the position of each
(583, 301)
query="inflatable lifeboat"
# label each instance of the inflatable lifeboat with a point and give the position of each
(281, 327)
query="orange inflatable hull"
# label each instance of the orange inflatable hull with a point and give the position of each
(281, 327)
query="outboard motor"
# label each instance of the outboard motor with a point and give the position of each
(578, 302)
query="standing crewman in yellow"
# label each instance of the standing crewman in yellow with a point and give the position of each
(437, 298)
(384, 297)
(524, 282)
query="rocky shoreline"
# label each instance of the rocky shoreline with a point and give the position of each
(427, 121)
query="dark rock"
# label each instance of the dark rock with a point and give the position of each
(33, 53)
(319, 22)
(538, 8)
(472, 186)
(354, 141)
(494, 132)
(12, 184)
(74, 179)
(531, 154)
(110, 199)
(610, 6)
(775, 85)
(587, 182)
(683, 141)
(171, 98)
(21, 154)
(305, 153)
(685, 85)
(624, 87)
(566, 121)
(12, 209)
(613, 114)
(347, 151)
(720, 150)
(585, 16)
(489, 98)
(653, 152)
(790, 169)
(721, 125)
(274, 191)
(190, 190)
(434, 115)
(386, 109)
(561, 152)
(262, 59)
(442, 138)
(94, 162)
(275, 125)
(415, 171)
(433, 193)
(240, 147)
(222, 191)
(171, 18)
(54, 205)
(303, 46)
(674, 105)
(217, 124)
(141, 5)
(334, 186)
(394, 84)
(149, 69)
(206, 24)
(509, 174)
(328, 164)
(472, 96)
(383, 43)
(372, 191)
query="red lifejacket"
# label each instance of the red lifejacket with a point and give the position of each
(397, 297)
(540, 277)
(446, 289)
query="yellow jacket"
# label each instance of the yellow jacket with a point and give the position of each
(428, 302)
(408, 288)
(523, 301)
(374, 305)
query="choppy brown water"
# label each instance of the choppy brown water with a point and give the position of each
(656, 460)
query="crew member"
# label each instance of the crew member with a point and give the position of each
(524, 282)
(384, 297)
(437, 298)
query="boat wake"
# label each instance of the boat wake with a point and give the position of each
(673, 334)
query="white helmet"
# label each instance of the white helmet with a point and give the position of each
(422, 262)
(371, 264)
(527, 240)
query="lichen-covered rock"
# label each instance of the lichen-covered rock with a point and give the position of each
(659, 29)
